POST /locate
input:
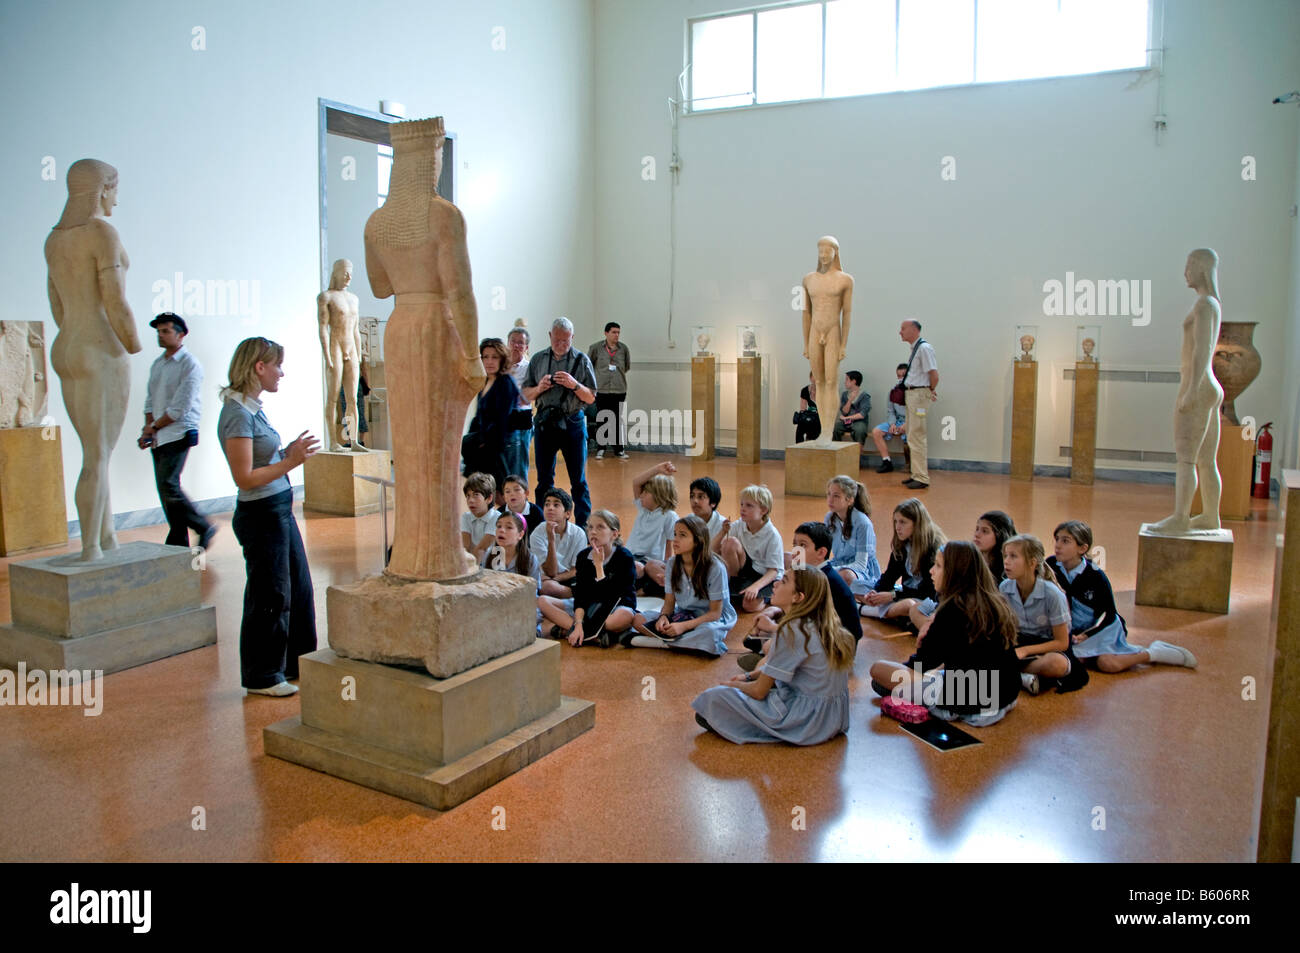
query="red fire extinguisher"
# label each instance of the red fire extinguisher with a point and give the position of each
(1263, 463)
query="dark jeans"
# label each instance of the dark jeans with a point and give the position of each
(609, 421)
(572, 442)
(279, 605)
(168, 461)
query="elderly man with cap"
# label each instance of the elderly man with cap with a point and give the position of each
(171, 427)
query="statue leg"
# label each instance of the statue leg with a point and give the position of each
(1188, 431)
(1207, 473)
(334, 380)
(86, 409)
(829, 411)
(350, 375)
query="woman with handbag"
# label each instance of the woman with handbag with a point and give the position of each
(807, 425)
(483, 448)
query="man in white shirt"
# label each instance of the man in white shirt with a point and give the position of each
(171, 426)
(920, 383)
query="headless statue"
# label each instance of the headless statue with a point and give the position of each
(1196, 416)
(827, 306)
(87, 287)
(340, 339)
(415, 249)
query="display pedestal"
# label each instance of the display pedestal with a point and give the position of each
(809, 466)
(33, 514)
(1185, 572)
(1024, 419)
(749, 409)
(704, 401)
(328, 486)
(140, 603)
(1236, 459)
(1083, 438)
(1277, 813)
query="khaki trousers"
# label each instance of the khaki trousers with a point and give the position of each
(918, 413)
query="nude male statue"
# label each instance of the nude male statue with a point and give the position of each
(340, 339)
(827, 307)
(1196, 415)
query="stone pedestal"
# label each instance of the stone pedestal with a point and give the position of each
(328, 486)
(704, 400)
(1024, 419)
(33, 514)
(749, 409)
(1236, 458)
(809, 465)
(1185, 572)
(140, 603)
(1083, 437)
(1277, 813)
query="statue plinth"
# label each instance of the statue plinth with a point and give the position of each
(1192, 571)
(1083, 438)
(1024, 419)
(810, 465)
(329, 485)
(33, 514)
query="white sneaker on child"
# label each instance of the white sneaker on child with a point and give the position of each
(645, 642)
(1029, 682)
(1166, 653)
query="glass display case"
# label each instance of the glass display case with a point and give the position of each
(702, 341)
(748, 340)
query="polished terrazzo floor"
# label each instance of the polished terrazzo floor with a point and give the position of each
(1174, 757)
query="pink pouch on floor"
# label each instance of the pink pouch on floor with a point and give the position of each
(904, 711)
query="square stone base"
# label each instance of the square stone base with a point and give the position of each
(1185, 572)
(809, 465)
(33, 514)
(437, 742)
(329, 487)
(114, 649)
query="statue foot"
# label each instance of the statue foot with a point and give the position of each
(336, 447)
(1205, 521)
(90, 554)
(1171, 526)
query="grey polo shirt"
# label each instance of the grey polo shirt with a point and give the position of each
(243, 417)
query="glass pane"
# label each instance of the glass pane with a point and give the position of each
(385, 171)
(936, 43)
(722, 62)
(1018, 39)
(790, 53)
(1102, 34)
(859, 47)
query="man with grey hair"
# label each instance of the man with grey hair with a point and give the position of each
(920, 383)
(559, 382)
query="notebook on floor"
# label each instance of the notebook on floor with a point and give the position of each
(941, 735)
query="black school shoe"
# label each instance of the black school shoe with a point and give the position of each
(754, 643)
(886, 466)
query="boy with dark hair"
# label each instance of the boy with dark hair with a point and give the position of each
(557, 546)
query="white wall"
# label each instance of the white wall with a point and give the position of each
(1052, 176)
(218, 156)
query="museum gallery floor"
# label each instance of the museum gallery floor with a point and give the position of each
(1174, 757)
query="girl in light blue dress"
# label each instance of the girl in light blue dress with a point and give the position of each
(853, 537)
(800, 693)
(510, 553)
(697, 612)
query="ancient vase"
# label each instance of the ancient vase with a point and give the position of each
(1236, 362)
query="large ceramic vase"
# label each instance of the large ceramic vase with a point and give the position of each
(1236, 363)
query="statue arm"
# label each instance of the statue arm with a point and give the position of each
(56, 304)
(454, 278)
(1203, 343)
(807, 316)
(380, 285)
(112, 290)
(323, 326)
(846, 313)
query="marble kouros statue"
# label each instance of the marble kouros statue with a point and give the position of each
(415, 249)
(22, 373)
(340, 339)
(827, 307)
(1196, 415)
(87, 286)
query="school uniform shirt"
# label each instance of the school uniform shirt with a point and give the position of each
(842, 598)
(567, 546)
(764, 548)
(858, 552)
(618, 588)
(494, 558)
(1046, 607)
(532, 515)
(715, 525)
(916, 581)
(948, 645)
(708, 637)
(650, 532)
(1092, 610)
(479, 526)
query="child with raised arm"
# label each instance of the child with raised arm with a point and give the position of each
(654, 494)
(911, 554)
(557, 544)
(1097, 630)
(965, 668)
(752, 550)
(1042, 617)
(801, 693)
(478, 524)
(853, 537)
(697, 613)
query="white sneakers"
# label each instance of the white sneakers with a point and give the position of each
(1029, 682)
(279, 690)
(1166, 653)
